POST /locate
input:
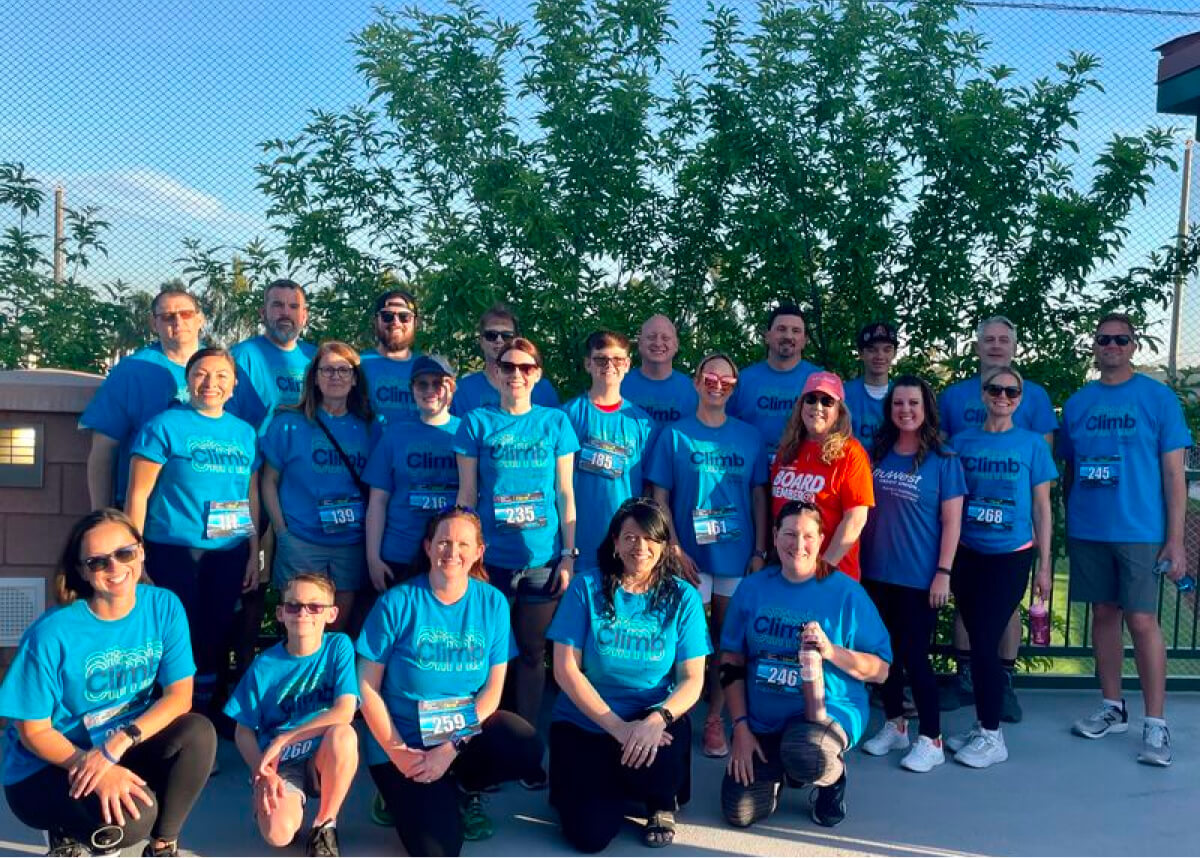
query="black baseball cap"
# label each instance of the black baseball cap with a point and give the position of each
(432, 365)
(877, 332)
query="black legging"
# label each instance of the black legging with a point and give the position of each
(988, 588)
(427, 815)
(174, 763)
(591, 789)
(910, 623)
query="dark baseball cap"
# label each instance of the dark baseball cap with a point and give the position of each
(432, 365)
(877, 332)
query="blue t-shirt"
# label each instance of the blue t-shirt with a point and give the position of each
(388, 386)
(665, 401)
(415, 464)
(629, 658)
(961, 407)
(207, 464)
(430, 651)
(1001, 469)
(319, 498)
(764, 621)
(903, 536)
(517, 458)
(1113, 440)
(143, 384)
(866, 412)
(89, 676)
(764, 398)
(268, 378)
(608, 467)
(281, 691)
(475, 391)
(710, 474)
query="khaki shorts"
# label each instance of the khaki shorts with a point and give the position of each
(1115, 573)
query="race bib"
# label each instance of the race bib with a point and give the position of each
(716, 525)
(520, 512)
(299, 750)
(223, 519)
(447, 719)
(778, 676)
(991, 513)
(103, 723)
(341, 515)
(603, 458)
(1100, 471)
(431, 497)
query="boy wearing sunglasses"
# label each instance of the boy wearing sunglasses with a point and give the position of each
(293, 708)
(1124, 440)
(497, 328)
(388, 366)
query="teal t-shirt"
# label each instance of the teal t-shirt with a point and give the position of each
(90, 676)
(516, 456)
(415, 464)
(268, 378)
(202, 496)
(431, 651)
(710, 474)
(388, 386)
(320, 500)
(764, 622)
(630, 656)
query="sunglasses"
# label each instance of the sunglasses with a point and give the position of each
(509, 368)
(311, 608)
(813, 398)
(401, 316)
(604, 362)
(718, 382)
(1108, 339)
(100, 562)
(180, 315)
(997, 390)
(497, 336)
(336, 371)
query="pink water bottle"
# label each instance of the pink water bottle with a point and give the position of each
(1039, 623)
(812, 679)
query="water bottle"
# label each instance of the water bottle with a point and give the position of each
(1039, 623)
(812, 679)
(1186, 584)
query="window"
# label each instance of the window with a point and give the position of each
(21, 455)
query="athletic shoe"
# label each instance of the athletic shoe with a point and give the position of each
(960, 740)
(380, 815)
(322, 841)
(985, 749)
(714, 738)
(1106, 719)
(60, 844)
(1010, 707)
(889, 738)
(477, 825)
(1156, 745)
(829, 803)
(925, 754)
(170, 850)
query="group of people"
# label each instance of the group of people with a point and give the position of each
(673, 538)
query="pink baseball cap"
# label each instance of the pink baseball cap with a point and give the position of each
(825, 382)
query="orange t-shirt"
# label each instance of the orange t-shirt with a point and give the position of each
(834, 488)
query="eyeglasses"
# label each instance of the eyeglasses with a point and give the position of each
(404, 317)
(825, 399)
(176, 315)
(1107, 339)
(997, 390)
(509, 368)
(497, 336)
(336, 371)
(100, 562)
(311, 608)
(718, 382)
(429, 383)
(604, 362)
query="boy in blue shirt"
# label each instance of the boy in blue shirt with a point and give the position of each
(293, 709)
(877, 343)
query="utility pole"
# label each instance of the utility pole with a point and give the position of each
(59, 238)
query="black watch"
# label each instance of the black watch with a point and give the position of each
(134, 732)
(667, 717)
(761, 555)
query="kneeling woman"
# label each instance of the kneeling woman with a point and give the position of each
(775, 614)
(434, 651)
(629, 646)
(99, 772)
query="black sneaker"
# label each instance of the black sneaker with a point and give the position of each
(1010, 707)
(61, 844)
(169, 849)
(322, 840)
(829, 803)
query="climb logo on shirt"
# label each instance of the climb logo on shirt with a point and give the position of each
(710, 457)
(307, 694)
(639, 639)
(212, 456)
(1111, 420)
(509, 451)
(997, 464)
(446, 652)
(326, 460)
(394, 394)
(778, 628)
(113, 674)
(775, 401)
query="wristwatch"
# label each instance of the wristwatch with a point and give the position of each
(569, 552)
(134, 732)
(761, 555)
(667, 717)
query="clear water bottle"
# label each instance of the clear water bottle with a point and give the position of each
(812, 679)
(1186, 584)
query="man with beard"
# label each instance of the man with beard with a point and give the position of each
(271, 366)
(389, 367)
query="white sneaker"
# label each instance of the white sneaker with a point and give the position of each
(924, 756)
(889, 738)
(959, 741)
(986, 749)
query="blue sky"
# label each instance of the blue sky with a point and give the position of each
(153, 110)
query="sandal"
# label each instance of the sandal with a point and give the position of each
(660, 830)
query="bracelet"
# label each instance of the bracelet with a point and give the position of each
(667, 717)
(942, 570)
(104, 753)
(739, 719)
